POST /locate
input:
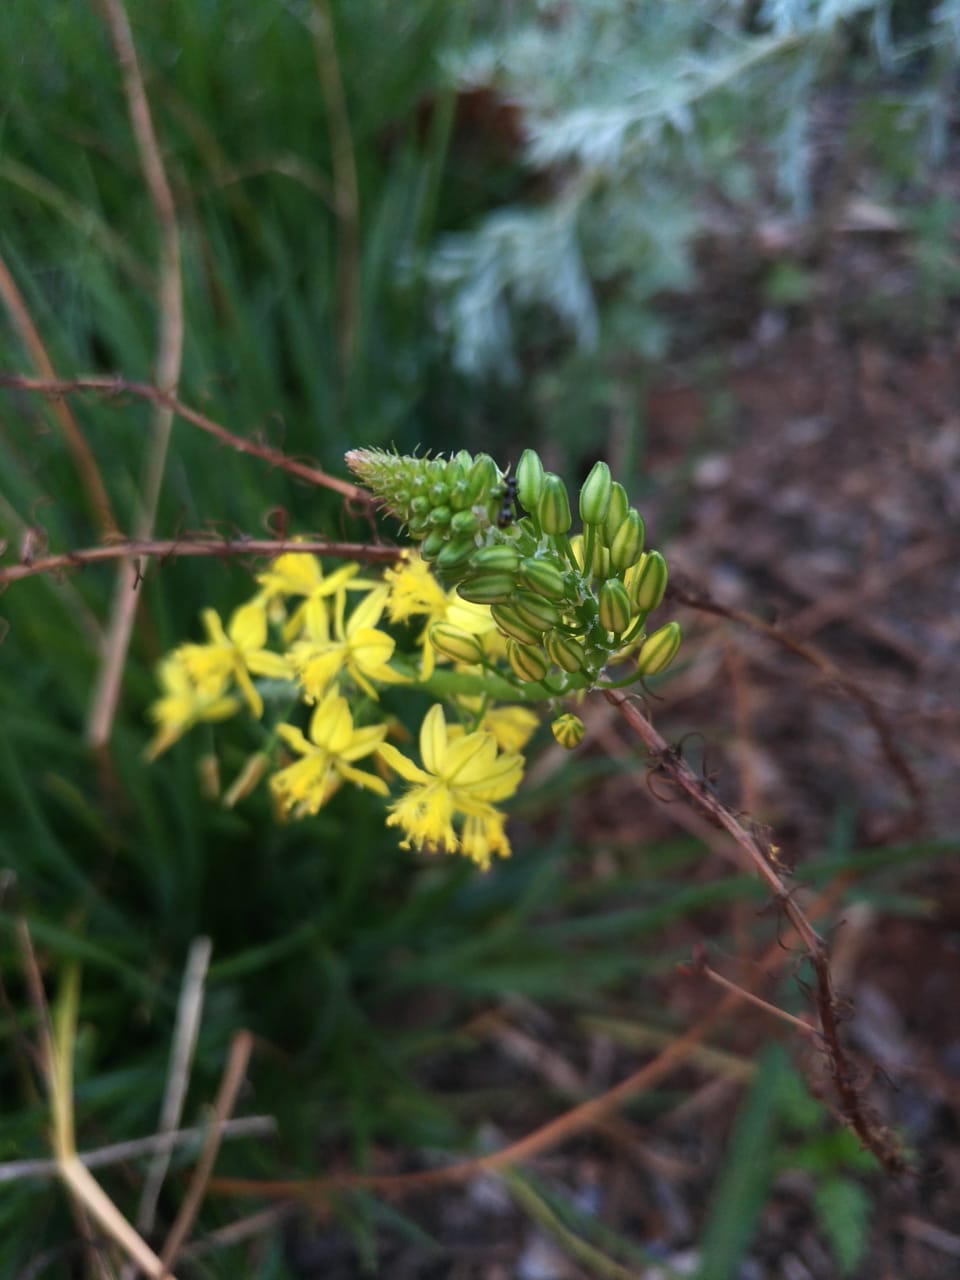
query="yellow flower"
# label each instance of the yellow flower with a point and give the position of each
(184, 704)
(236, 652)
(327, 758)
(462, 776)
(293, 574)
(357, 647)
(415, 591)
(512, 726)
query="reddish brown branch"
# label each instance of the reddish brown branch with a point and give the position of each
(673, 766)
(687, 593)
(171, 548)
(116, 386)
(83, 459)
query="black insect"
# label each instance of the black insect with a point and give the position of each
(509, 507)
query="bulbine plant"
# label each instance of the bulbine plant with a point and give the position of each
(511, 613)
(498, 613)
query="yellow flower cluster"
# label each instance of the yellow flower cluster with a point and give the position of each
(337, 659)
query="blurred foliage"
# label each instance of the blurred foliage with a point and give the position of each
(530, 178)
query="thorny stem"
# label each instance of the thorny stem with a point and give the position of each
(116, 386)
(86, 464)
(686, 593)
(223, 548)
(670, 762)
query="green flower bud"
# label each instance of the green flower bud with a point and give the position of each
(488, 588)
(483, 478)
(454, 643)
(455, 553)
(500, 559)
(567, 652)
(439, 517)
(553, 508)
(439, 493)
(420, 505)
(512, 625)
(418, 526)
(648, 581)
(527, 663)
(543, 577)
(529, 475)
(627, 544)
(433, 544)
(464, 524)
(659, 650)
(595, 494)
(568, 730)
(458, 468)
(619, 505)
(615, 607)
(600, 561)
(536, 611)
(460, 495)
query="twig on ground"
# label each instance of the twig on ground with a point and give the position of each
(56, 1057)
(116, 386)
(685, 592)
(134, 1148)
(168, 360)
(870, 1133)
(222, 548)
(186, 1031)
(317, 1191)
(233, 1078)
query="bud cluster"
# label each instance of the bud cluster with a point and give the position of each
(449, 505)
(565, 604)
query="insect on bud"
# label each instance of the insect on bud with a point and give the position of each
(659, 650)
(553, 508)
(595, 494)
(568, 730)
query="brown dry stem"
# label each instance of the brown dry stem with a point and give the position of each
(115, 386)
(685, 592)
(842, 1072)
(168, 360)
(220, 547)
(587, 1115)
(91, 480)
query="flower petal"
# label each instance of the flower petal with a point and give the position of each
(401, 764)
(433, 739)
